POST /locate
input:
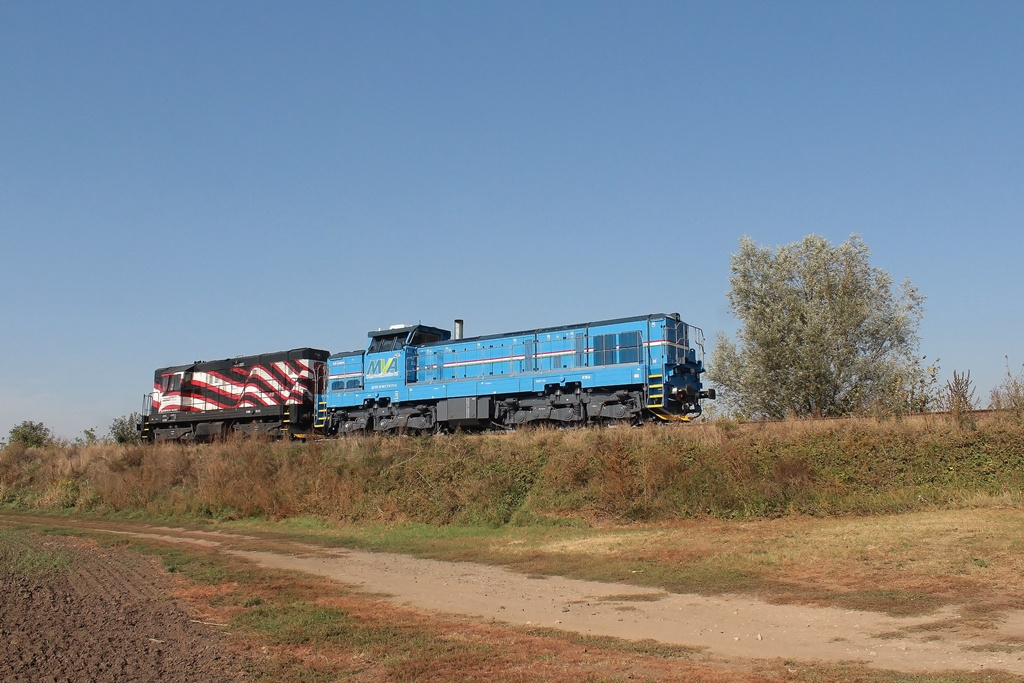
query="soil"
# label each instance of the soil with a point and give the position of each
(109, 620)
(105, 616)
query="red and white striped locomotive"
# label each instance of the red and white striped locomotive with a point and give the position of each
(272, 394)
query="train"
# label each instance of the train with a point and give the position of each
(420, 379)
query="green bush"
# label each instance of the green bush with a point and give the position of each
(123, 429)
(31, 434)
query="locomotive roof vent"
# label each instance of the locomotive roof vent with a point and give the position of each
(399, 326)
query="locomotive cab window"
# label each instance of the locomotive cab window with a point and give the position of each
(388, 343)
(420, 337)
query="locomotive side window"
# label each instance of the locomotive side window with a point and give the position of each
(629, 347)
(601, 356)
(612, 349)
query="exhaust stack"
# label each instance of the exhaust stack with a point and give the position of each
(458, 328)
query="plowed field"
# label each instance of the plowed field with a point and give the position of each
(70, 611)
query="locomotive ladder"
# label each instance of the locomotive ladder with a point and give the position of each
(143, 426)
(655, 391)
(321, 415)
(656, 400)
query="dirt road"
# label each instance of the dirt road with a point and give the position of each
(728, 627)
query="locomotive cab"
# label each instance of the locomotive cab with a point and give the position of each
(365, 386)
(391, 354)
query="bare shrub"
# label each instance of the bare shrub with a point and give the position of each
(1009, 395)
(959, 400)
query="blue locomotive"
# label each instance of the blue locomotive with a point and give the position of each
(422, 379)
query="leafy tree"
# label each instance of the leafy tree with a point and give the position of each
(823, 334)
(31, 434)
(123, 429)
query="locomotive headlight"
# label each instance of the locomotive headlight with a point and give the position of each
(686, 393)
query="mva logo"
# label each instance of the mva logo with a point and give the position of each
(382, 367)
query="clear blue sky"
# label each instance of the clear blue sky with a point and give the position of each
(199, 180)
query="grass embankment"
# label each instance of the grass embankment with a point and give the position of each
(721, 470)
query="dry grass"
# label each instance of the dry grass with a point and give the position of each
(536, 477)
(901, 564)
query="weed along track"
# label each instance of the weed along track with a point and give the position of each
(729, 628)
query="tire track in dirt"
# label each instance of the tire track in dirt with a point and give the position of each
(727, 626)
